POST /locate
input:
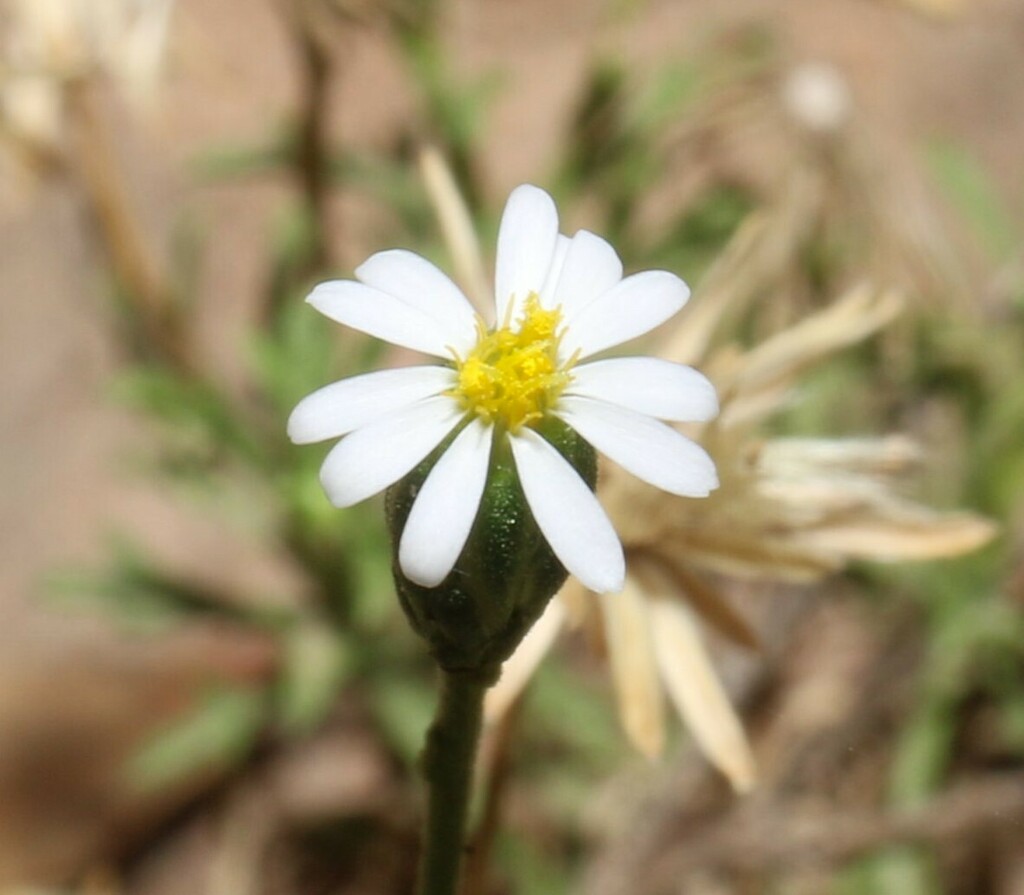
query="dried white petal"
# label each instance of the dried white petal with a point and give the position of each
(693, 686)
(627, 630)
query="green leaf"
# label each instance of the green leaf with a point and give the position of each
(316, 663)
(244, 160)
(200, 418)
(976, 196)
(404, 707)
(217, 732)
(533, 867)
(135, 591)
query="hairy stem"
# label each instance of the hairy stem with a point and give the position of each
(448, 767)
(495, 775)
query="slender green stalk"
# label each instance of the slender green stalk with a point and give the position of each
(448, 767)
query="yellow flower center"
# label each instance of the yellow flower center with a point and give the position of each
(512, 377)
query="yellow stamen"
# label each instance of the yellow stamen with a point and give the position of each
(512, 376)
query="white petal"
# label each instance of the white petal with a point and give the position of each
(648, 385)
(424, 287)
(379, 454)
(633, 307)
(380, 314)
(590, 269)
(547, 294)
(526, 246)
(342, 407)
(445, 508)
(568, 514)
(650, 450)
(694, 687)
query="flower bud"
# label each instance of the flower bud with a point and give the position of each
(506, 573)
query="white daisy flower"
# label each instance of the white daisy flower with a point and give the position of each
(558, 302)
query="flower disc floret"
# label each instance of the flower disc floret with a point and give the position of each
(512, 377)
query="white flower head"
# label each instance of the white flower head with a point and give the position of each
(558, 302)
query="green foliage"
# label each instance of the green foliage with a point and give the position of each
(453, 105)
(403, 705)
(243, 160)
(203, 428)
(977, 198)
(316, 662)
(617, 150)
(216, 733)
(697, 237)
(533, 868)
(392, 181)
(570, 714)
(144, 598)
(291, 360)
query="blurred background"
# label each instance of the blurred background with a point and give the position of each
(205, 683)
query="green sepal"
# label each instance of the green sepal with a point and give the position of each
(506, 573)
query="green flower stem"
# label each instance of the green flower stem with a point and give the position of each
(448, 767)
